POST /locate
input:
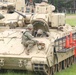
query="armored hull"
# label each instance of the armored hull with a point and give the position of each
(52, 54)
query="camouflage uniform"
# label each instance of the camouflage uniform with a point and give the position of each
(27, 40)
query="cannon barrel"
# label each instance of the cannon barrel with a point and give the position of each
(20, 14)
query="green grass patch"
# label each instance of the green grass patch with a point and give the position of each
(69, 71)
(16, 72)
(71, 22)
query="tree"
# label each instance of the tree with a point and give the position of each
(59, 4)
(37, 1)
(63, 4)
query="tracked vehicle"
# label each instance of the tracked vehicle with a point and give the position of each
(50, 54)
(7, 9)
(16, 19)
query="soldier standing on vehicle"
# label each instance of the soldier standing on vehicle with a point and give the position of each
(27, 38)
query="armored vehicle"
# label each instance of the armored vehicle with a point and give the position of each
(54, 48)
(11, 19)
(15, 19)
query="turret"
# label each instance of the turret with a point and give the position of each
(44, 17)
(44, 7)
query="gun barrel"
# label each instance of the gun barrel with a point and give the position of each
(21, 14)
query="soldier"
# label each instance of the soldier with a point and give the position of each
(27, 38)
(41, 33)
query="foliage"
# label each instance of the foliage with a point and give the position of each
(59, 4)
(71, 22)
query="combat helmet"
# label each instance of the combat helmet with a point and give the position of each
(39, 32)
(29, 26)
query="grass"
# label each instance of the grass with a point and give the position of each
(71, 19)
(15, 72)
(71, 22)
(69, 71)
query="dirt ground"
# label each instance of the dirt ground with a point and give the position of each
(71, 17)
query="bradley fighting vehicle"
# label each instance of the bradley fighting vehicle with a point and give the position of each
(50, 54)
(13, 19)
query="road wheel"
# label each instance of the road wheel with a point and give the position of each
(54, 69)
(72, 60)
(68, 62)
(48, 70)
(59, 67)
